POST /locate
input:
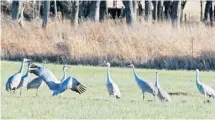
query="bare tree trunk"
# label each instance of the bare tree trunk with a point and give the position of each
(38, 9)
(81, 9)
(15, 10)
(21, 17)
(175, 16)
(201, 11)
(154, 12)
(97, 10)
(75, 11)
(140, 8)
(129, 12)
(46, 8)
(208, 7)
(94, 10)
(55, 8)
(103, 10)
(134, 3)
(214, 12)
(34, 9)
(167, 9)
(159, 9)
(147, 10)
(183, 3)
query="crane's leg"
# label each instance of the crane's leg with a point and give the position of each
(143, 96)
(14, 91)
(154, 96)
(20, 91)
(37, 92)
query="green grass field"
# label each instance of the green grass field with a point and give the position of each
(95, 102)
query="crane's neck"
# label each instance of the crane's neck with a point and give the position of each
(109, 80)
(64, 75)
(28, 71)
(43, 65)
(21, 68)
(156, 82)
(135, 74)
(197, 78)
(26, 75)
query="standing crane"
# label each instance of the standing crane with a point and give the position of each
(112, 87)
(14, 80)
(64, 75)
(144, 85)
(23, 79)
(162, 95)
(204, 89)
(54, 85)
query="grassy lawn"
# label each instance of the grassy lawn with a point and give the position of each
(95, 102)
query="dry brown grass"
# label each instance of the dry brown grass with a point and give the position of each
(90, 43)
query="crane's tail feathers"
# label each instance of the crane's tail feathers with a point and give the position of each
(79, 89)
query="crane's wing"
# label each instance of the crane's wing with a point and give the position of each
(35, 83)
(66, 84)
(110, 88)
(70, 83)
(15, 81)
(116, 89)
(77, 86)
(163, 95)
(8, 87)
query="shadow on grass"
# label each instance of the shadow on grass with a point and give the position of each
(205, 61)
(178, 93)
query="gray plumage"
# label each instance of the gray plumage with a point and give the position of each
(36, 83)
(144, 85)
(14, 81)
(56, 86)
(23, 79)
(204, 89)
(112, 87)
(162, 95)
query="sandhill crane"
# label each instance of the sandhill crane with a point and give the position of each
(36, 83)
(144, 85)
(14, 80)
(203, 88)
(64, 73)
(26, 76)
(112, 87)
(56, 86)
(162, 95)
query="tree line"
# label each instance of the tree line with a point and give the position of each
(97, 10)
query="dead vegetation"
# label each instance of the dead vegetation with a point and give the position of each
(147, 45)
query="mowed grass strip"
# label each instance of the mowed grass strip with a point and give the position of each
(96, 103)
